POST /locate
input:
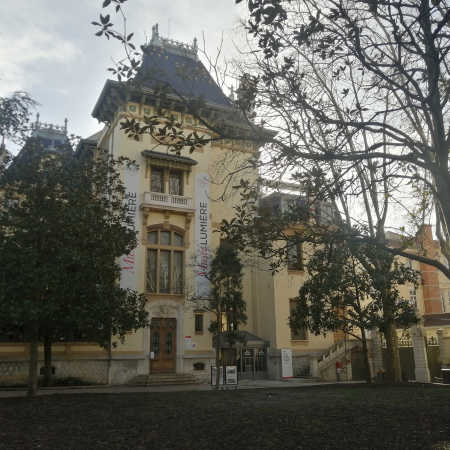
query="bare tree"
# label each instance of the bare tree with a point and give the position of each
(359, 90)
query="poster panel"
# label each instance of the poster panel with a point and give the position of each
(231, 376)
(202, 234)
(213, 376)
(286, 363)
(128, 263)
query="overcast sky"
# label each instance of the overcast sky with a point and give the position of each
(48, 48)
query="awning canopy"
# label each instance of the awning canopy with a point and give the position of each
(251, 341)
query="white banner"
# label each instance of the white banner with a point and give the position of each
(214, 374)
(202, 235)
(128, 263)
(286, 363)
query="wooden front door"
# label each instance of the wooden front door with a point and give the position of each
(162, 343)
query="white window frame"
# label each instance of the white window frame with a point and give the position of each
(413, 296)
(444, 309)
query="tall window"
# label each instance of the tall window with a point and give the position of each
(409, 264)
(157, 180)
(199, 323)
(301, 335)
(443, 302)
(413, 297)
(175, 183)
(294, 255)
(165, 256)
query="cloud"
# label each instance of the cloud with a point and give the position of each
(48, 47)
(24, 60)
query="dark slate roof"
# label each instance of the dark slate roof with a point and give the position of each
(43, 144)
(168, 156)
(196, 79)
(436, 320)
(251, 340)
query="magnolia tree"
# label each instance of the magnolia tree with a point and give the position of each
(15, 116)
(225, 300)
(340, 295)
(63, 225)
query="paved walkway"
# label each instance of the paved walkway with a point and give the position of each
(262, 384)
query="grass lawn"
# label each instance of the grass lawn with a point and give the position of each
(405, 416)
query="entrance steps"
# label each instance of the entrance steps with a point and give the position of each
(306, 376)
(170, 379)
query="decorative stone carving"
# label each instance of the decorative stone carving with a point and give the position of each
(163, 311)
(188, 219)
(145, 213)
(171, 164)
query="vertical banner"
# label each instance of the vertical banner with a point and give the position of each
(202, 235)
(286, 363)
(128, 263)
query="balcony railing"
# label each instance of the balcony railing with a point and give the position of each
(174, 201)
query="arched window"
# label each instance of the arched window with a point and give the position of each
(165, 262)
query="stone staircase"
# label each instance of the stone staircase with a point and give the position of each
(164, 380)
(305, 375)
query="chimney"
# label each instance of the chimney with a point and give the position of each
(431, 289)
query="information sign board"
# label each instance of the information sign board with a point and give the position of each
(231, 375)
(213, 376)
(286, 363)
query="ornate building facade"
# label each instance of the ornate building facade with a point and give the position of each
(176, 202)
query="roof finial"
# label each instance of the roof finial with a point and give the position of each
(155, 36)
(232, 92)
(65, 124)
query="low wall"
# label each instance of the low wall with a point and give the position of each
(328, 371)
(299, 363)
(15, 371)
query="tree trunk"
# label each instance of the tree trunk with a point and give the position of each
(47, 380)
(394, 372)
(219, 329)
(33, 370)
(217, 363)
(366, 357)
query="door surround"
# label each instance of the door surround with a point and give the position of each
(166, 309)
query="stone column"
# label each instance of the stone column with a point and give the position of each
(420, 354)
(314, 366)
(443, 351)
(377, 350)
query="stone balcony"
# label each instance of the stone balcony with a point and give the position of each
(158, 200)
